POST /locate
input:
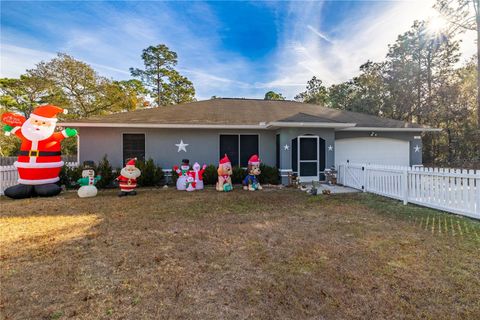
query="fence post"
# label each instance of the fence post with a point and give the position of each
(478, 194)
(405, 186)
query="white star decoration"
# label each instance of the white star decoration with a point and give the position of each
(286, 147)
(330, 148)
(181, 146)
(417, 148)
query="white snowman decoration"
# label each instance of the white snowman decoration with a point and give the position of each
(87, 184)
(182, 174)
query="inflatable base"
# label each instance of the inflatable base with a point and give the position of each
(87, 191)
(23, 191)
(130, 193)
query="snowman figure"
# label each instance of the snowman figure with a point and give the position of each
(198, 174)
(190, 182)
(182, 174)
(87, 183)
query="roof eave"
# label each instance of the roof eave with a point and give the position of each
(160, 125)
(391, 129)
(334, 125)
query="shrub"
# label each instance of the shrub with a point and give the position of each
(69, 176)
(269, 175)
(104, 169)
(151, 174)
(210, 175)
(238, 174)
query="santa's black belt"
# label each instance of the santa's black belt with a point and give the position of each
(36, 153)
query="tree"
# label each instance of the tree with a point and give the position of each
(465, 14)
(315, 92)
(165, 84)
(82, 91)
(271, 95)
(23, 94)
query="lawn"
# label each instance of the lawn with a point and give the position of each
(272, 254)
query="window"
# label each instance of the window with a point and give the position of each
(133, 146)
(239, 148)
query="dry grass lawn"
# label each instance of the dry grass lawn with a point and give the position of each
(275, 254)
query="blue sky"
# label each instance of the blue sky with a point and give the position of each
(228, 49)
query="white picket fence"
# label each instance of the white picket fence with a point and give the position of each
(452, 190)
(9, 175)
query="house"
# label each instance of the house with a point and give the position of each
(293, 136)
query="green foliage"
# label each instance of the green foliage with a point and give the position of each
(269, 175)
(238, 174)
(163, 82)
(69, 176)
(104, 169)
(210, 175)
(174, 177)
(151, 174)
(271, 95)
(315, 92)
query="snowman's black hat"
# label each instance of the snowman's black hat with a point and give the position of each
(186, 161)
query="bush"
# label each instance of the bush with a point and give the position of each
(105, 170)
(238, 174)
(269, 175)
(69, 176)
(151, 174)
(210, 175)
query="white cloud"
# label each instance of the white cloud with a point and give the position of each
(336, 59)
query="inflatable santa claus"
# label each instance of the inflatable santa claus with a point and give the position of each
(39, 160)
(128, 179)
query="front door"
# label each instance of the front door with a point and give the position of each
(307, 155)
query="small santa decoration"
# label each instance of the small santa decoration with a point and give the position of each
(87, 182)
(128, 179)
(39, 160)
(198, 174)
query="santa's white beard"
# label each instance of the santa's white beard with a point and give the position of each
(129, 174)
(30, 131)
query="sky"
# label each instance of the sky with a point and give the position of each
(227, 49)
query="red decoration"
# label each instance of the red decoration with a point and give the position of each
(13, 119)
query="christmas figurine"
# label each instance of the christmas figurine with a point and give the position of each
(224, 172)
(182, 174)
(128, 179)
(251, 182)
(198, 174)
(39, 160)
(87, 182)
(190, 183)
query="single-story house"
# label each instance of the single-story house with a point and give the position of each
(294, 137)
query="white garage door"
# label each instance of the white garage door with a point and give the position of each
(372, 151)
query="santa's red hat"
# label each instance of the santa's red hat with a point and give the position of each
(255, 160)
(131, 162)
(47, 113)
(224, 160)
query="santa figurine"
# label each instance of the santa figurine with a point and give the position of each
(39, 160)
(198, 174)
(190, 183)
(87, 181)
(128, 178)
(182, 174)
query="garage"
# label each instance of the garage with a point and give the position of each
(372, 150)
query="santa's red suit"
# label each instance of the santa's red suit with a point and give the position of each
(127, 184)
(39, 161)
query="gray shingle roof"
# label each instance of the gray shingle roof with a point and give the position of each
(230, 111)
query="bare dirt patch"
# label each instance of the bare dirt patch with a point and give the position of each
(209, 255)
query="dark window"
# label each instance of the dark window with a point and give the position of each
(133, 146)
(294, 155)
(308, 149)
(308, 169)
(229, 146)
(239, 148)
(277, 151)
(248, 147)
